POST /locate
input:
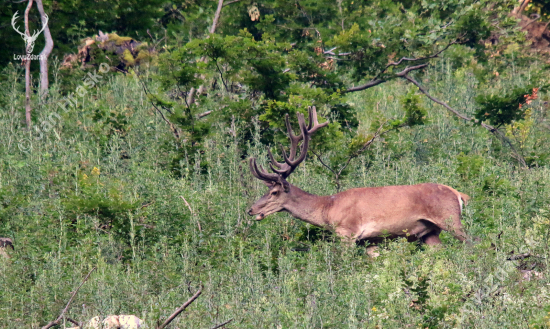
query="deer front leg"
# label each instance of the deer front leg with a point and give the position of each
(346, 236)
(372, 251)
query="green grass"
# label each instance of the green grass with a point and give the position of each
(130, 222)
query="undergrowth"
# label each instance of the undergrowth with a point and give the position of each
(100, 191)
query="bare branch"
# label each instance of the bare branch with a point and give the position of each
(153, 40)
(146, 205)
(221, 76)
(78, 324)
(331, 52)
(367, 85)
(222, 324)
(181, 309)
(449, 23)
(56, 321)
(230, 2)
(187, 204)
(408, 69)
(204, 114)
(520, 256)
(323, 163)
(377, 80)
(172, 127)
(367, 144)
(352, 156)
(192, 212)
(455, 112)
(407, 59)
(492, 129)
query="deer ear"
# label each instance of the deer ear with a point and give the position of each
(286, 187)
(269, 184)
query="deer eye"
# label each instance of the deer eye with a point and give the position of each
(274, 192)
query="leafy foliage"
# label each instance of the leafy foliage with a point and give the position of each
(152, 187)
(504, 109)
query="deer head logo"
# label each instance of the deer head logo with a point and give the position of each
(29, 39)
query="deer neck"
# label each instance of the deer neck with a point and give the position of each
(308, 207)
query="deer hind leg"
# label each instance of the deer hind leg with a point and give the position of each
(432, 238)
(373, 251)
(453, 225)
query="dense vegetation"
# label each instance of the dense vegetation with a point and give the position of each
(142, 182)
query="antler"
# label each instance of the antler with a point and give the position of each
(44, 24)
(283, 170)
(13, 19)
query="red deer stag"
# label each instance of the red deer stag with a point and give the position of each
(362, 214)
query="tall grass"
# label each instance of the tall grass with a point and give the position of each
(127, 218)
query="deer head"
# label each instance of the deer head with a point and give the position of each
(29, 39)
(280, 191)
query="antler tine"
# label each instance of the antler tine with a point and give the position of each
(303, 152)
(260, 173)
(294, 140)
(313, 122)
(310, 110)
(283, 172)
(273, 161)
(282, 168)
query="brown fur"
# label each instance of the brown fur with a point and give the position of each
(414, 211)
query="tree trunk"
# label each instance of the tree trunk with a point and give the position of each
(191, 97)
(44, 82)
(519, 9)
(28, 69)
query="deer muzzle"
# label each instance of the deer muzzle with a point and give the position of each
(259, 216)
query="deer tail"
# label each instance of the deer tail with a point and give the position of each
(464, 198)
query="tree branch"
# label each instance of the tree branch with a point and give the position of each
(377, 80)
(172, 127)
(221, 76)
(425, 92)
(407, 59)
(230, 2)
(222, 324)
(181, 309)
(351, 157)
(331, 52)
(520, 256)
(204, 114)
(492, 129)
(78, 324)
(56, 321)
(324, 164)
(367, 85)
(192, 212)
